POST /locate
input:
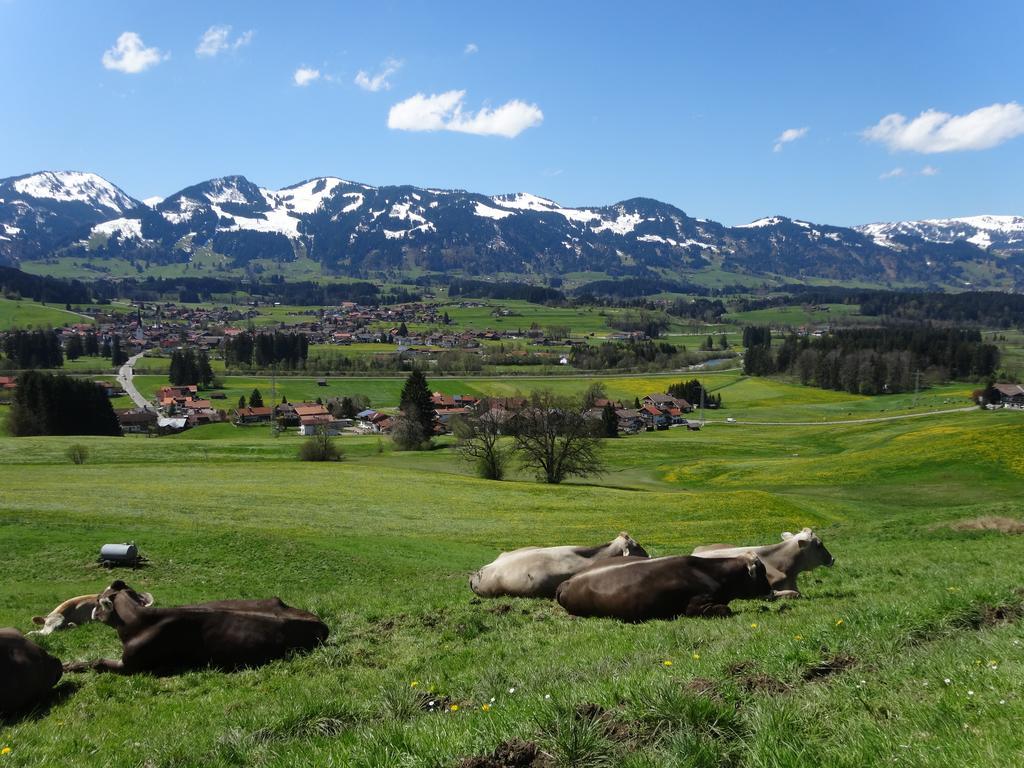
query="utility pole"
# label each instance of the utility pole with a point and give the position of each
(701, 402)
(917, 385)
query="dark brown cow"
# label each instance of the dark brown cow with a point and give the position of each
(227, 634)
(639, 589)
(27, 673)
(785, 561)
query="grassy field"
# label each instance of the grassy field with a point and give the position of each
(30, 314)
(907, 652)
(797, 315)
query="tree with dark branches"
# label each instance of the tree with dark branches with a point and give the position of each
(479, 440)
(555, 438)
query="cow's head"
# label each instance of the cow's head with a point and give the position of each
(106, 611)
(629, 547)
(756, 584)
(812, 550)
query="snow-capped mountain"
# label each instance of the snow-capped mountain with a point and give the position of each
(40, 212)
(358, 229)
(986, 232)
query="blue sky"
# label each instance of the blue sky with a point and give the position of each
(585, 103)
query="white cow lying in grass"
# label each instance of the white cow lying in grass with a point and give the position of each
(74, 612)
(783, 562)
(537, 571)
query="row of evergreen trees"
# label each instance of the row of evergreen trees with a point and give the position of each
(34, 349)
(694, 393)
(265, 349)
(871, 361)
(79, 345)
(190, 366)
(56, 404)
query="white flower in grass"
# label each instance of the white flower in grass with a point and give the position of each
(511, 690)
(970, 693)
(947, 681)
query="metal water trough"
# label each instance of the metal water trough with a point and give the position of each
(120, 555)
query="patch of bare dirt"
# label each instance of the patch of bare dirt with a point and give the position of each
(510, 754)
(994, 615)
(613, 728)
(829, 667)
(990, 523)
(750, 680)
(702, 686)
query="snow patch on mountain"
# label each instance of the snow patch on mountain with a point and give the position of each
(769, 221)
(127, 229)
(72, 186)
(308, 196)
(490, 213)
(622, 225)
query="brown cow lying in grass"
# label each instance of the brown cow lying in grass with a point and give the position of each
(74, 612)
(27, 673)
(537, 571)
(640, 589)
(228, 634)
(784, 561)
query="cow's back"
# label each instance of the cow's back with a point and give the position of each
(27, 672)
(636, 589)
(171, 639)
(528, 572)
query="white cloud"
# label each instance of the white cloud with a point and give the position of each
(788, 135)
(929, 170)
(218, 38)
(892, 174)
(305, 75)
(471, 48)
(378, 82)
(933, 131)
(444, 112)
(130, 55)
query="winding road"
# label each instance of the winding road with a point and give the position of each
(126, 378)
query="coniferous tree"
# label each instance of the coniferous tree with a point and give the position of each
(609, 421)
(92, 344)
(241, 402)
(117, 356)
(256, 399)
(416, 405)
(74, 348)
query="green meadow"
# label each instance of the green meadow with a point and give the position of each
(907, 652)
(25, 314)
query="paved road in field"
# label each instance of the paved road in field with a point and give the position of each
(841, 422)
(125, 377)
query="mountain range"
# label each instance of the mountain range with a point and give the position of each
(361, 230)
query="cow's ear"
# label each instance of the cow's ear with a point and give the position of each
(106, 603)
(786, 535)
(147, 599)
(118, 585)
(802, 542)
(38, 620)
(807, 531)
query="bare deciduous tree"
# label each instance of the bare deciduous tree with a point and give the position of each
(479, 439)
(554, 437)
